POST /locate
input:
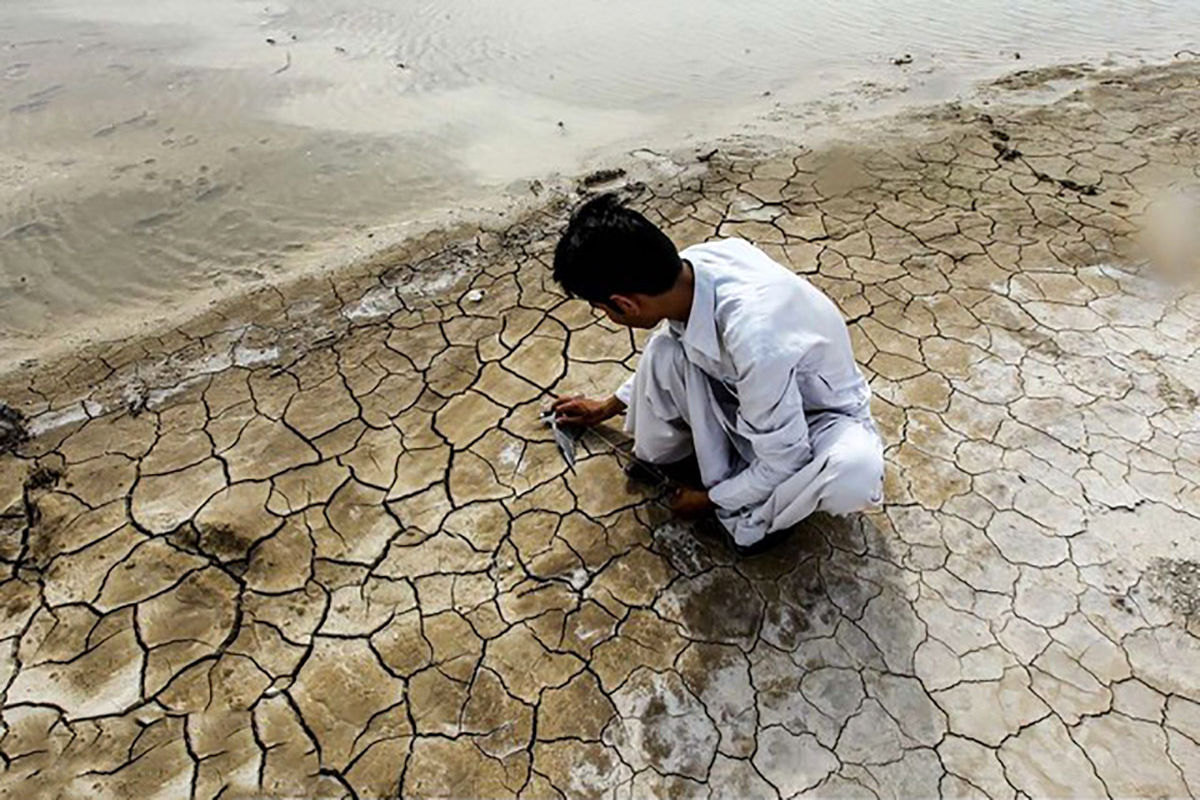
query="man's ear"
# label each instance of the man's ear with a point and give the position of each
(623, 304)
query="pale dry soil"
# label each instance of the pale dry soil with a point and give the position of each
(317, 544)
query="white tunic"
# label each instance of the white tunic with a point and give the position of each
(762, 366)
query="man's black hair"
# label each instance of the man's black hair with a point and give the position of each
(608, 249)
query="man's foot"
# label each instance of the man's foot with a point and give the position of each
(679, 473)
(641, 472)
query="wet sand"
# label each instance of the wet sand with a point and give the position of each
(156, 158)
(315, 543)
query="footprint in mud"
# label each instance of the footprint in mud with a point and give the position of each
(213, 192)
(143, 120)
(186, 141)
(123, 168)
(154, 220)
(25, 108)
(14, 72)
(37, 100)
(27, 230)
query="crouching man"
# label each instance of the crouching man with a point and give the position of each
(753, 373)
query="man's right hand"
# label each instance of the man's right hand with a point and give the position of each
(579, 410)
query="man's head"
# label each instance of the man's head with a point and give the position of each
(617, 260)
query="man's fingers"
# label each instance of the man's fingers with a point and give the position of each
(569, 410)
(563, 402)
(574, 410)
(575, 417)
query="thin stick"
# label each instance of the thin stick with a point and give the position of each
(663, 481)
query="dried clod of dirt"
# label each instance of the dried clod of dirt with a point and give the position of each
(42, 478)
(12, 428)
(1006, 153)
(602, 176)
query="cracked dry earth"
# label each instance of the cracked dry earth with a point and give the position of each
(317, 544)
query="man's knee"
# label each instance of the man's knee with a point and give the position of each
(658, 416)
(855, 475)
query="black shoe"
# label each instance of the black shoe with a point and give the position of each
(685, 472)
(748, 550)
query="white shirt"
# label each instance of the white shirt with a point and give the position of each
(781, 348)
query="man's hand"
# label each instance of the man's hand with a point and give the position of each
(579, 410)
(686, 502)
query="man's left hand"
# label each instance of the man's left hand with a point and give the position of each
(686, 502)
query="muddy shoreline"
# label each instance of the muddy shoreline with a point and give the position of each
(278, 321)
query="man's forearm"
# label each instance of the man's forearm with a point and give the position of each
(614, 406)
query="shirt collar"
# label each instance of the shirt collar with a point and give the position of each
(700, 332)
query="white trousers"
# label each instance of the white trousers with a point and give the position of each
(676, 409)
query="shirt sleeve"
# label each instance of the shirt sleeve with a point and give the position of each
(771, 416)
(625, 392)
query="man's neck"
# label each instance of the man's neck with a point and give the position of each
(679, 297)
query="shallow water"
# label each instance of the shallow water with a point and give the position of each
(156, 151)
